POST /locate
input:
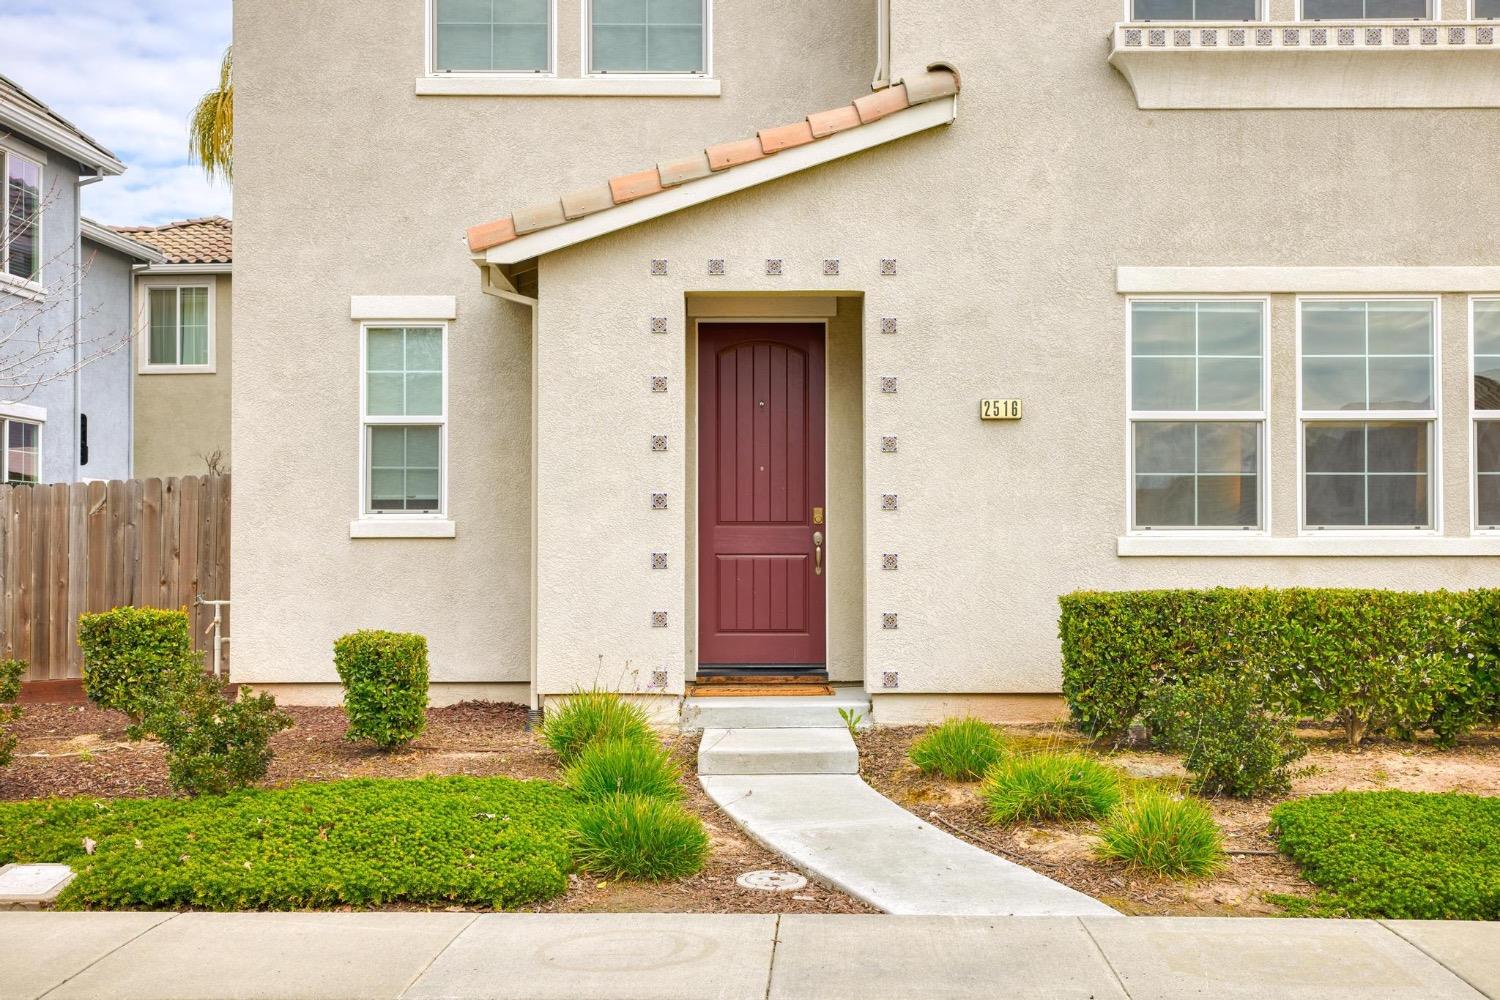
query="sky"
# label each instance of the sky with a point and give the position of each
(127, 72)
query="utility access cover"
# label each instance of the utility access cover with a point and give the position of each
(769, 881)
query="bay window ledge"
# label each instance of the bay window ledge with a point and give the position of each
(553, 86)
(403, 527)
(1170, 546)
(1309, 64)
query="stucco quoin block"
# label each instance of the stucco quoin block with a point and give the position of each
(732, 154)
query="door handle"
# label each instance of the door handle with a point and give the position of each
(818, 553)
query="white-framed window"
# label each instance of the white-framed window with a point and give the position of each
(22, 457)
(1197, 414)
(178, 328)
(647, 37)
(1368, 406)
(492, 36)
(1194, 10)
(404, 407)
(1486, 9)
(1484, 404)
(1366, 10)
(21, 217)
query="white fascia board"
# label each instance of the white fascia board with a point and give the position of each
(107, 237)
(747, 175)
(188, 269)
(38, 129)
(1326, 546)
(24, 411)
(552, 86)
(1305, 280)
(403, 307)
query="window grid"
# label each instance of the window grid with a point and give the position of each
(1141, 10)
(1333, 10)
(592, 23)
(1484, 401)
(461, 14)
(379, 428)
(22, 454)
(20, 216)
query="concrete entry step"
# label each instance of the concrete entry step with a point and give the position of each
(813, 712)
(777, 751)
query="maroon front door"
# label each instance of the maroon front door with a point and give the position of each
(762, 540)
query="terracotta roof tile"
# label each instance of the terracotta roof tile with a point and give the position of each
(937, 82)
(195, 241)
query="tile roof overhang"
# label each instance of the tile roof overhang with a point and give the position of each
(919, 103)
(23, 114)
(205, 241)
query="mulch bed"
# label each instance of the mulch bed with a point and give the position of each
(70, 750)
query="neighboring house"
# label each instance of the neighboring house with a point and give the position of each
(64, 285)
(182, 348)
(714, 397)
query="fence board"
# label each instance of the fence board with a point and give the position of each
(74, 548)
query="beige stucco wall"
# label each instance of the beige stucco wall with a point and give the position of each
(179, 419)
(1007, 228)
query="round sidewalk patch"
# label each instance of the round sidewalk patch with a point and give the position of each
(768, 881)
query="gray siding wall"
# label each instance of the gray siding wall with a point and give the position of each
(105, 383)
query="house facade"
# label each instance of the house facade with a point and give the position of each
(657, 340)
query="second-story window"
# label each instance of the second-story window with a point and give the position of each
(179, 328)
(21, 217)
(492, 36)
(648, 36)
(1365, 10)
(1195, 10)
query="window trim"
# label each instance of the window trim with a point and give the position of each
(430, 65)
(362, 526)
(35, 285)
(1261, 417)
(1433, 418)
(144, 365)
(586, 55)
(5, 421)
(1475, 416)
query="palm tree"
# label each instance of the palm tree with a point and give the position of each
(211, 128)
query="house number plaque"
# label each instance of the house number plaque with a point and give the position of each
(999, 409)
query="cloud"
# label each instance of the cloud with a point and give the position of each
(127, 72)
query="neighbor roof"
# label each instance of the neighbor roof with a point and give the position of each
(607, 196)
(208, 240)
(25, 115)
(101, 234)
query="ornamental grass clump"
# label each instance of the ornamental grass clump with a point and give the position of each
(585, 716)
(958, 749)
(1157, 833)
(385, 686)
(635, 837)
(623, 767)
(1050, 786)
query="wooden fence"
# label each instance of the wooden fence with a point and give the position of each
(74, 548)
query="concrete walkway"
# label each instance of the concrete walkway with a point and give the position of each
(459, 956)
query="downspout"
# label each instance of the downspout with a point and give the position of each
(882, 45)
(78, 187)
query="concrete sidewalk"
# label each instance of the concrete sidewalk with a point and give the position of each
(354, 956)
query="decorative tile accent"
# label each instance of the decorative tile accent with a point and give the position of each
(1236, 36)
(658, 501)
(658, 442)
(658, 383)
(1456, 35)
(1133, 37)
(1208, 37)
(716, 267)
(888, 267)
(1429, 36)
(831, 267)
(1157, 37)
(658, 268)
(1318, 36)
(658, 680)
(1400, 36)
(887, 383)
(658, 324)
(1291, 36)
(658, 560)
(1182, 36)
(1346, 36)
(888, 444)
(1373, 36)
(1263, 36)
(658, 619)
(774, 266)
(890, 679)
(888, 621)
(889, 501)
(1484, 36)
(888, 324)
(890, 561)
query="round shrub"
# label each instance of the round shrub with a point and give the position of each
(1050, 786)
(134, 656)
(634, 837)
(623, 767)
(1234, 738)
(585, 716)
(958, 749)
(214, 745)
(385, 686)
(1157, 833)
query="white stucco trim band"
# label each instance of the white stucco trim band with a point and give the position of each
(553, 86)
(401, 527)
(412, 307)
(855, 140)
(1307, 280)
(1262, 547)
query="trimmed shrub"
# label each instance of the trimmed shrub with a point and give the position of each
(1050, 786)
(958, 749)
(213, 745)
(623, 767)
(1157, 833)
(585, 716)
(634, 837)
(11, 672)
(134, 656)
(1374, 661)
(385, 686)
(1233, 738)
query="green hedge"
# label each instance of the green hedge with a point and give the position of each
(132, 656)
(1374, 661)
(385, 685)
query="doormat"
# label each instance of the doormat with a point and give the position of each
(758, 690)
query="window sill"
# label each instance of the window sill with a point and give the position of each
(177, 370)
(403, 527)
(33, 290)
(552, 86)
(1167, 546)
